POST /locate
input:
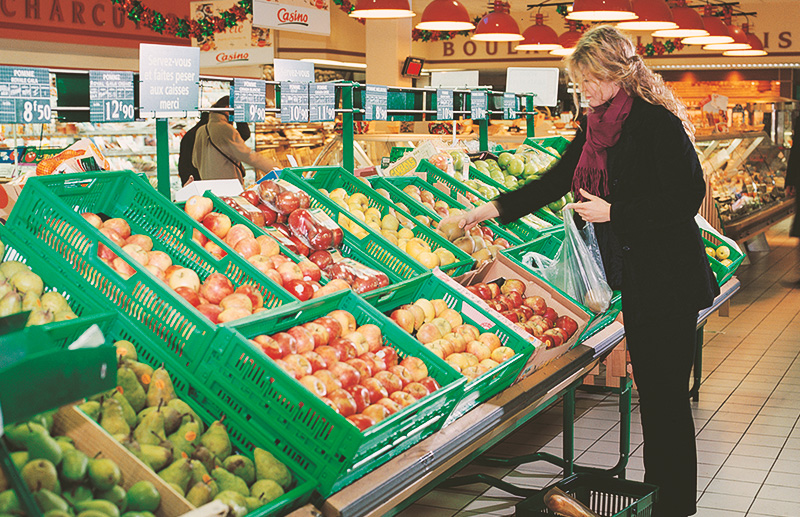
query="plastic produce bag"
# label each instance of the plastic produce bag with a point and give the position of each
(577, 267)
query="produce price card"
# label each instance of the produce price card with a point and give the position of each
(24, 95)
(509, 106)
(322, 99)
(110, 96)
(249, 98)
(480, 104)
(444, 104)
(376, 102)
(294, 102)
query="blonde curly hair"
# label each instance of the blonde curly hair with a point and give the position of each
(604, 53)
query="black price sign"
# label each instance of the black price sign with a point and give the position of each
(444, 104)
(480, 104)
(110, 96)
(249, 97)
(509, 105)
(24, 95)
(376, 102)
(322, 102)
(294, 102)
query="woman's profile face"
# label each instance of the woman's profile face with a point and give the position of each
(597, 91)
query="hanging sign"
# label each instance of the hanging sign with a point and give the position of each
(322, 102)
(294, 102)
(444, 104)
(169, 78)
(249, 99)
(24, 95)
(293, 70)
(376, 102)
(310, 17)
(239, 45)
(110, 96)
(509, 105)
(480, 104)
(540, 82)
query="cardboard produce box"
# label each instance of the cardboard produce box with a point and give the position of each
(503, 268)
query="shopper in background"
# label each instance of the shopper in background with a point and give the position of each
(793, 178)
(636, 176)
(219, 149)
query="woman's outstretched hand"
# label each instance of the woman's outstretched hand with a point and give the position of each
(595, 210)
(468, 220)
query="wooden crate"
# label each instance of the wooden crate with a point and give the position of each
(91, 439)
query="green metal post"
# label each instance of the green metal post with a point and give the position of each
(348, 161)
(530, 116)
(483, 133)
(162, 156)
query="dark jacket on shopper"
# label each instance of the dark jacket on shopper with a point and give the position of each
(793, 177)
(651, 247)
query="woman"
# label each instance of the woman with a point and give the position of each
(793, 179)
(636, 176)
(219, 149)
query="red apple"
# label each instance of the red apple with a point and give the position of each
(289, 271)
(363, 422)
(536, 303)
(256, 298)
(184, 277)
(287, 202)
(403, 398)
(318, 332)
(389, 380)
(347, 375)
(274, 276)
(310, 270)
(330, 381)
(189, 295)
(316, 360)
(563, 333)
(513, 284)
(390, 404)
(551, 315)
(345, 319)
(403, 373)
(198, 237)
(568, 324)
(360, 395)
(159, 259)
(333, 326)
(321, 258)
(417, 390)
(328, 353)
(122, 267)
(388, 354)
(364, 368)
(375, 388)
(247, 247)
(483, 291)
(251, 196)
(416, 368)
(299, 362)
(218, 224)
(287, 341)
(515, 299)
(197, 207)
(344, 402)
(143, 241)
(103, 251)
(269, 346)
(526, 312)
(237, 233)
(237, 300)
(214, 250)
(303, 338)
(216, 287)
(430, 383)
(93, 219)
(329, 403)
(269, 246)
(210, 311)
(551, 338)
(314, 385)
(119, 225)
(234, 313)
(299, 288)
(494, 288)
(373, 336)
(377, 412)
(359, 341)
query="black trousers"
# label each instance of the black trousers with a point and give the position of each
(661, 344)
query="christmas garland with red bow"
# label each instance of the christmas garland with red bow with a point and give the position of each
(183, 27)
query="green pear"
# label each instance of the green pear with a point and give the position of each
(74, 466)
(31, 301)
(216, 440)
(39, 474)
(54, 302)
(266, 490)
(10, 268)
(138, 514)
(5, 288)
(151, 429)
(241, 466)
(116, 495)
(160, 391)
(268, 467)
(126, 350)
(57, 513)
(127, 411)
(17, 434)
(20, 458)
(91, 408)
(156, 456)
(91, 513)
(200, 494)
(65, 445)
(76, 494)
(27, 282)
(186, 412)
(4, 483)
(143, 497)
(200, 474)
(42, 445)
(112, 418)
(228, 481)
(47, 500)
(186, 439)
(98, 505)
(252, 503)
(9, 503)
(64, 315)
(10, 304)
(129, 384)
(40, 317)
(143, 372)
(178, 474)
(236, 502)
(210, 462)
(172, 419)
(103, 473)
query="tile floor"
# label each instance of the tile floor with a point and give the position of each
(747, 418)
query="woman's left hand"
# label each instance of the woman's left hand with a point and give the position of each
(595, 210)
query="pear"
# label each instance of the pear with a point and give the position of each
(41, 445)
(156, 456)
(241, 466)
(5, 288)
(91, 408)
(143, 497)
(74, 466)
(64, 315)
(39, 474)
(112, 418)
(160, 390)
(266, 490)
(200, 473)
(216, 440)
(10, 304)
(143, 372)
(116, 495)
(200, 494)
(228, 481)
(103, 473)
(20, 459)
(186, 412)
(54, 302)
(151, 429)
(27, 282)
(9, 503)
(130, 387)
(10, 268)
(40, 317)
(235, 501)
(77, 493)
(268, 467)
(126, 350)
(186, 439)
(207, 458)
(45, 419)
(252, 503)
(4, 483)
(65, 445)
(31, 301)
(127, 411)
(47, 500)
(178, 474)
(172, 419)
(99, 505)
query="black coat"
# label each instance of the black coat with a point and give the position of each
(652, 249)
(793, 177)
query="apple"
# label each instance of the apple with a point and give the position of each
(289, 271)
(216, 287)
(373, 335)
(156, 271)
(321, 258)
(388, 354)
(183, 277)
(299, 362)
(329, 403)
(479, 349)
(300, 289)
(103, 251)
(561, 332)
(218, 224)
(303, 338)
(237, 233)
(361, 395)
(143, 241)
(403, 373)
(287, 202)
(136, 252)
(404, 319)
(512, 316)
(377, 412)
(416, 367)
(330, 354)
(403, 398)
(310, 270)
(93, 219)
(237, 300)
(255, 296)
(210, 311)
(377, 364)
(231, 314)
(190, 295)
(568, 324)
(119, 225)
(375, 389)
(345, 319)
(345, 347)
(525, 311)
(389, 380)
(327, 378)
(268, 191)
(513, 284)
(515, 299)
(251, 196)
(359, 341)
(364, 368)
(247, 247)
(483, 291)
(274, 276)
(362, 422)
(198, 237)
(416, 390)
(390, 404)
(287, 342)
(491, 340)
(318, 332)
(269, 246)
(536, 303)
(269, 346)
(551, 315)
(430, 383)
(264, 264)
(122, 267)
(314, 385)
(502, 353)
(197, 207)
(494, 288)
(316, 360)
(159, 259)
(344, 402)
(214, 250)
(334, 285)
(469, 332)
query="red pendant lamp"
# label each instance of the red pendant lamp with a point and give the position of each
(445, 15)
(756, 47)
(497, 25)
(383, 9)
(689, 23)
(717, 31)
(739, 42)
(601, 10)
(652, 15)
(539, 37)
(568, 40)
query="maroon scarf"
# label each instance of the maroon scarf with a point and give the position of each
(603, 127)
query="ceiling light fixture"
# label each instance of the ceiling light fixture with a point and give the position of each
(601, 10)
(652, 15)
(445, 15)
(739, 39)
(539, 37)
(717, 31)
(568, 40)
(383, 9)
(756, 47)
(689, 23)
(498, 25)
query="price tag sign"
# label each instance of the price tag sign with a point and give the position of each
(249, 98)
(509, 105)
(376, 102)
(444, 104)
(322, 102)
(294, 102)
(24, 95)
(480, 104)
(110, 96)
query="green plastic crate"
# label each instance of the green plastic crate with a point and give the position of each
(490, 383)
(323, 443)
(210, 408)
(330, 179)
(48, 212)
(373, 244)
(559, 143)
(604, 495)
(723, 273)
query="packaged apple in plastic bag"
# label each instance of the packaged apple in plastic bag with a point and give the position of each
(315, 228)
(360, 277)
(246, 209)
(282, 197)
(443, 162)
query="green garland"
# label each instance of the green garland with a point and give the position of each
(183, 27)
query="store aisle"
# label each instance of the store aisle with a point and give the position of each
(747, 419)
